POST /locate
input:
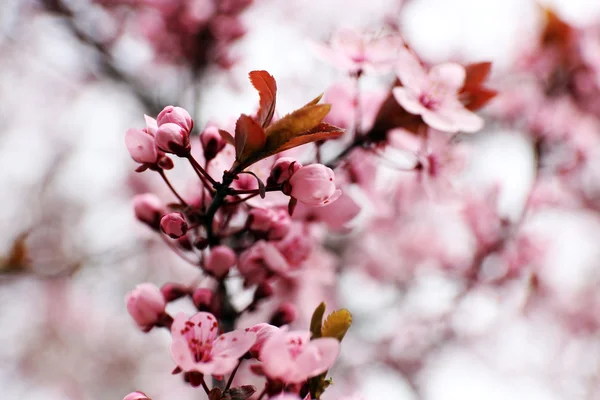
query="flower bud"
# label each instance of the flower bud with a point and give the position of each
(172, 138)
(174, 225)
(148, 209)
(220, 260)
(284, 315)
(136, 396)
(314, 185)
(173, 291)
(141, 146)
(212, 142)
(146, 305)
(177, 116)
(263, 291)
(282, 170)
(203, 299)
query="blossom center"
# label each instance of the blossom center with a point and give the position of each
(295, 346)
(200, 349)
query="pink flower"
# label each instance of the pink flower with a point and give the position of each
(220, 260)
(434, 95)
(141, 146)
(145, 304)
(263, 331)
(314, 185)
(212, 142)
(296, 245)
(148, 209)
(177, 116)
(260, 262)
(275, 222)
(292, 357)
(282, 170)
(196, 346)
(136, 396)
(174, 225)
(354, 51)
(172, 138)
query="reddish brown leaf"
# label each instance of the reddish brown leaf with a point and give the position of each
(556, 32)
(479, 98)
(266, 86)
(227, 137)
(477, 73)
(323, 131)
(250, 137)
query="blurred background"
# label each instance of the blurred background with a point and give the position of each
(75, 74)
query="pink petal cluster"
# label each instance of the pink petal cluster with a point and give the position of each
(174, 127)
(261, 261)
(314, 185)
(220, 260)
(293, 358)
(174, 225)
(434, 96)
(275, 223)
(145, 304)
(136, 396)
(197, 346)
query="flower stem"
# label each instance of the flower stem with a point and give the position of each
(230, 381)
(162, 174)
(208, 180)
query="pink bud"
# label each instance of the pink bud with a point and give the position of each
(220, 260)
(284, 315)
(263, 291)
(136, 396)
(177, 116)
(148, 209)
(314, 185)
(145, 304)
(212, 142)
(173, 291)
(172, 138)
(203, 299)
(174, 225)
(141, 146)
(282, 170)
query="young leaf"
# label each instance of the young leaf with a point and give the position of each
(477, 73)
(337, 324)
(239, 393)
(316, 321)
(266, 86)
(322, 131)
(249, 137)
(227, 137)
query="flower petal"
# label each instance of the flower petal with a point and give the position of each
(233, 344)
(450, 75)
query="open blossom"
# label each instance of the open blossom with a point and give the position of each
(145, 304)
(314, 185)
(433, 95)
(292, 357)
(196, 346)
(356, 51)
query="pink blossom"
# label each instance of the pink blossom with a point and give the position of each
(433, 95)
(296, 245)
(141, 146)
(355, 51)
(177, 116)
(220, 260)
(136, 396)
(172, 138)
(263, 331)
(337, 215)
(314, 185)
(212, 142)
(145, 304)
(282, 170)
(148, 209)
(196, 346)
(262, 261)
(274, 222)
(174, 225)
(292, 357)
